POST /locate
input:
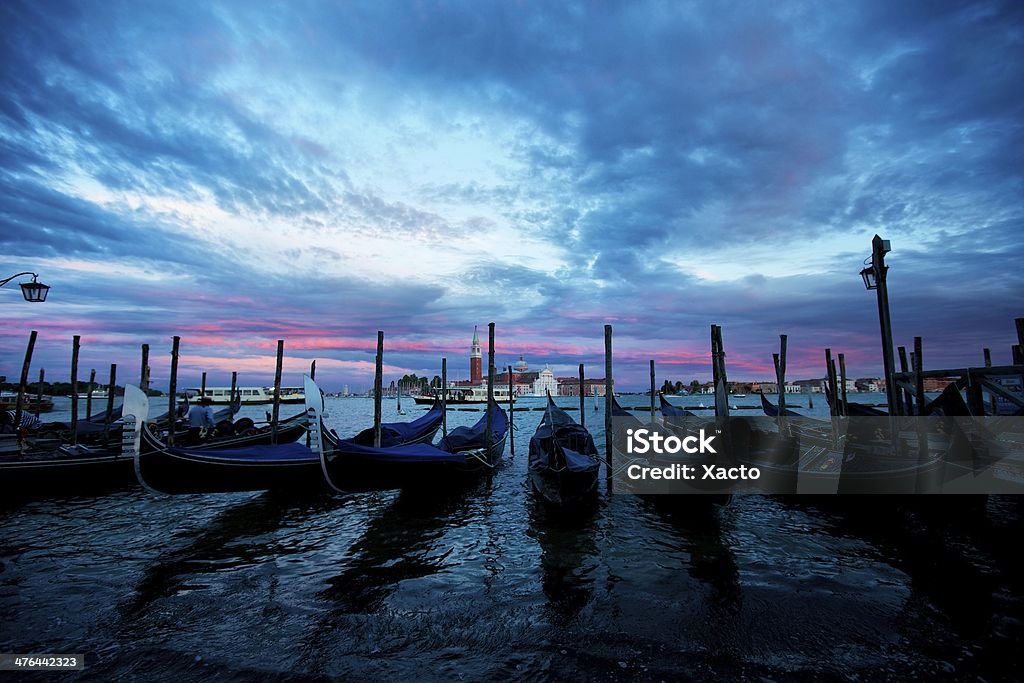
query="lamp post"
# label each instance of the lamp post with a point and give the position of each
(34, 291)
(874, 276)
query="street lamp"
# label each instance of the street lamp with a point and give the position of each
(874, 275)
(32, 291)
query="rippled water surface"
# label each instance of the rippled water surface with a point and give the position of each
(488, 584)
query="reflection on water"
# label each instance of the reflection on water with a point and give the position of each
(567, 556)
(486, 583)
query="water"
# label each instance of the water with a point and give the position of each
(488, 584)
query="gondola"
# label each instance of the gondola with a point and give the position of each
(464, 454)
(852, 409)
(46, 467)
(675, 494)
(669, 410)
(288, 430)
(251, 466)
(564, 463)
(772, 410)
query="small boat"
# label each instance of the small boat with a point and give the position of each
(739, 395)
(30, 404)
(459, 395)
(248, 395)
(463, 454)
(564, 463)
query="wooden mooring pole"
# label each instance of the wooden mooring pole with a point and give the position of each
(378, 381)
(144, 370)
(907, 405)
(488, 436)
(111, 388)
(23, 384)
(444, 397)
(842, 382)
(652, 390)
(993, 402)
(75, 348)
(608, 397)
(833, 396)
(173, 409)
(231, 396)
(779, 359)
(583, 397)
(719, 376)
(88, 395)
(511, 416)
(277, 391)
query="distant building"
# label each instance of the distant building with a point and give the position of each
(570, 386)
(476, 375)
(937, 383)
(545, 383)
(521, 367)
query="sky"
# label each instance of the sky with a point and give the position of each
(239, 173)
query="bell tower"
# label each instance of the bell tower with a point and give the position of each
(476, 375)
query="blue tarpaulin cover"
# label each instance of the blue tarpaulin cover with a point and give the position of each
(269, 453)
(556, 432)
(464, 438)
(395, 433)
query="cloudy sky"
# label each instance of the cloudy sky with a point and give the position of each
(238, 173)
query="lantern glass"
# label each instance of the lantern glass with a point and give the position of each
(870, 279)
(34, 291)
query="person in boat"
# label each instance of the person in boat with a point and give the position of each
(200, 420)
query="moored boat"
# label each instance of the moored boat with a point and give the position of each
(251, 466)
(463, 454)
(30, 403)
(44, 466)
(564, 463)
